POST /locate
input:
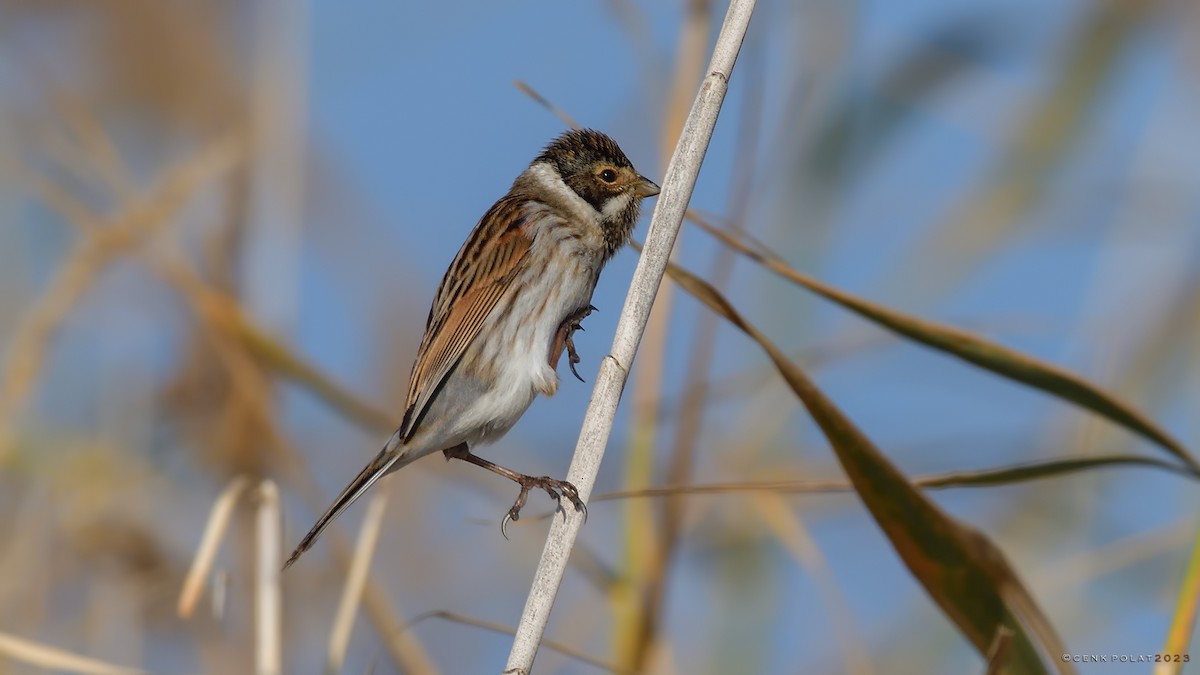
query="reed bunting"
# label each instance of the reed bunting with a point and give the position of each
(506, 310)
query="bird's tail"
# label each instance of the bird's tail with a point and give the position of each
(389, 459)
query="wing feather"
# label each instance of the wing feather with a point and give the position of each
(480, 275)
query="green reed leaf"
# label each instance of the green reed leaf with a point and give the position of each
(991, 477)
(976, 350)
(960, 568)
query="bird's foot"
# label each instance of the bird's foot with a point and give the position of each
(572, 324)
(557, 489)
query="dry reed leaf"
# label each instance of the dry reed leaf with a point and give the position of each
(283, 361)
(206, 552)
(225, 314)
(356, 579)
(973, 349)
(960, 568)
(42, 656)
(1003, 475)
(558, 112)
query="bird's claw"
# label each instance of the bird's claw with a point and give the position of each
(514, 513)
(574, 323)
(557, 489)
(573, 358)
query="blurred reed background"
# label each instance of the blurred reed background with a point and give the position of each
(221, 224)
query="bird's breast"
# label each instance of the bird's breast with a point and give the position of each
(512, 351)
(547, 295)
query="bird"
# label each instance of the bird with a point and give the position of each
(505, 310)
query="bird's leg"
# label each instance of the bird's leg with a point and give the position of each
(569, 326)
(553, 487)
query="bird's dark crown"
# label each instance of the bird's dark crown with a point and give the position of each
(580, 150)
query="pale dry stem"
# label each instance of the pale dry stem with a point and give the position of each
(210, 541)
(356, 580)
(678, 183)
(52, 658)
(268, 600)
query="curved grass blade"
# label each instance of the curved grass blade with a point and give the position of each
(1004, 475)
(975, 350)
(230, 318)
(37, 654)
(1020, 473)
(960, 568)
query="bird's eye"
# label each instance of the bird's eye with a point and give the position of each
(608, 176)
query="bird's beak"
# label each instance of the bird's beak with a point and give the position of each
(645, 187)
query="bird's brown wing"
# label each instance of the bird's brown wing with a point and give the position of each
(482, 272)
(480, 275)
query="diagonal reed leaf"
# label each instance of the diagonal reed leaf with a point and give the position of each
(1002, 475)
(206, 552)
(52, 658)
(960, 568)
(973, 349)
(226, 314)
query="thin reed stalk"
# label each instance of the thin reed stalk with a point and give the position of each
(678, 184)
(268, 606)
(695, 387)
(641, 550)
(356, 580)
(210, 541)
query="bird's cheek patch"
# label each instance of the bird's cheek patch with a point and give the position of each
(616, 205)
